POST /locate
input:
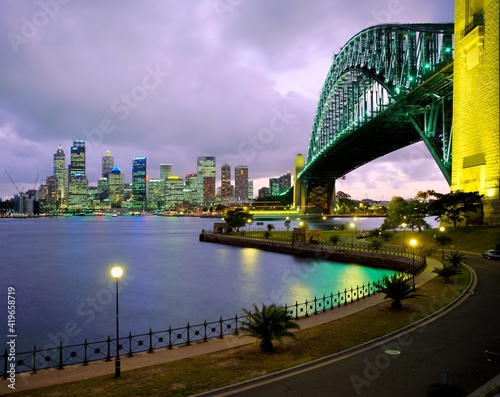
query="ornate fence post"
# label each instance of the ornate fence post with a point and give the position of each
(315, 307)
(205, 339)
(108, 358)
(324, 303)
(34, 359)
(60, 366)
(296, 310)
(307, 304)
(236, 324)
(338, 298)
(150, 341)
(130, 354)
(169, 337)
(85, 360)
(188, 342)
(221, 334)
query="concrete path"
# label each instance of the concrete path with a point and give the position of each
(27, 381)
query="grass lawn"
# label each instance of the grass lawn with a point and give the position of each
(212, 371)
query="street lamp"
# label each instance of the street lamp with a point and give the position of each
(249, 221)
(441, 229)
(413, 243)
(404, 235)
(117, 272)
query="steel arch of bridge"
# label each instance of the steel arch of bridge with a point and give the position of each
(388, 87)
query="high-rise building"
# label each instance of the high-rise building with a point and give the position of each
(174, 189)
(108, 162)
(285, 182)
(51, 192)
(250, 188)
(156, 193)
(206, 174)
(274, 186)
(61, 176)
(241, 182)
(225, 191)
(139, 183)
(116, 182)
(192, 191)
(78, 183)
(165, 171)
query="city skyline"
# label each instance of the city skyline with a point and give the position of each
(184, 80)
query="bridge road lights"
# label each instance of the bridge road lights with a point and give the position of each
(413, 243)
(117, 272)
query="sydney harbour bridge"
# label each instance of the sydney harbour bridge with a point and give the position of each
(388, 87)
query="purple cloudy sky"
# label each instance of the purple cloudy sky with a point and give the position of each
(175, 79)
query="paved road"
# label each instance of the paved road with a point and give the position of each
(465, 341)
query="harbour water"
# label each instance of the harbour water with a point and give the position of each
(60, 270)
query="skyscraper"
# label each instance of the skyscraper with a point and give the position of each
(165, 171)
(61, 176)
(116, 182)
(241, 182)
(285, 182)
(250, 188)
(139, 191)
(225, 191)
(108, 162)
(206, 174)
(78, 183)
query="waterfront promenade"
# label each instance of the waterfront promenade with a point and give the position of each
(28, 381)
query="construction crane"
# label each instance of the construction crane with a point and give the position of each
(36, 181)
(18, 190)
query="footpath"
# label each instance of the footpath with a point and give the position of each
(28, 381)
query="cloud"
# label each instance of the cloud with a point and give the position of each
(224, 77)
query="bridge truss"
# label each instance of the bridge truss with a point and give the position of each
(388, 87)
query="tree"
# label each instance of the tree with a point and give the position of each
(237, 218)
(270, 227)
(267, 324)
(334, 239)
(446, 272)
(455, 258)
(398, 288)
(287, 224)
(455, 206)
(375, 243)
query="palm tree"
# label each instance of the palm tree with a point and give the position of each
(455, 258)
(267, 324)
(398, 288)
(447, 271)
(334, 239)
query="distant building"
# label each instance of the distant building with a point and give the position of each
(274, 186)
(264, 192)
(78, 183)
(192, 190)
(61, 175)
(116, 182)
(241, 182)
(139, 183)
(285, 182)
(156, 193)
(174, 192)
(165, 171)
(225, 187)
(51, 192)
(250, 189)
(206, 169)
(108, 162)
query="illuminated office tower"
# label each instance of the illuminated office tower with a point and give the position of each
(192, 191)
(61, 175)
(285, 182)
(116, 182)
(78, 183)
(139, 183)
(108, 162)
(250, 188)
(225, 191)
(274, 186)
(174, 192)
(206, 175)
(241, 182)
(476, 136)
(165, 171)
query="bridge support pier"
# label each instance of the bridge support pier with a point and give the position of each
(321, 196)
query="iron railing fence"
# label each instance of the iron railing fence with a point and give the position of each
(104, 350)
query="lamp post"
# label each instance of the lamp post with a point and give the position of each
(117, 272)
(413, 243)
(249, 221)
(403, 225)
(441, 229)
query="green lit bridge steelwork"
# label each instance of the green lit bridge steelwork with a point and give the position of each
(388, 87)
